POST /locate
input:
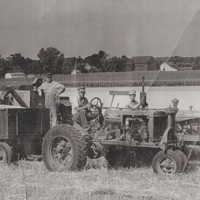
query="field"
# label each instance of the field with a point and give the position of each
(116, 79)
(31, 181)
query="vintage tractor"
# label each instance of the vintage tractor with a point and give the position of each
(122, 136)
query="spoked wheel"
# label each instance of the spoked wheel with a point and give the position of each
(61, 151)
(64, 149)
(96, 106)
(5, 153)
(166, 163)
(96, 102)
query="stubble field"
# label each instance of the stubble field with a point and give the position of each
(32, 181)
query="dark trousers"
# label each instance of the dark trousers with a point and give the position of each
(82, 117)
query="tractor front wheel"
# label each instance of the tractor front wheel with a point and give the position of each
(64, 149)
(5, 153)
(183, 158)
(166, 163)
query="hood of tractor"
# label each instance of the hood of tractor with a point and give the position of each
(116, 114)
(183, 115)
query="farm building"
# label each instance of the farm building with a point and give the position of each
(15, 75)
(145, 63)
(75, 72)
(168, 66)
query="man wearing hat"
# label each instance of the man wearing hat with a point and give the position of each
(82, 101)
(82, 107)
(36, 101)
(51, 90)
(132, 104)
(175, 104)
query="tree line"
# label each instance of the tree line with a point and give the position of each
(54, 61)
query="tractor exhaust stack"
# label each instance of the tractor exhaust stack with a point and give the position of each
(143, 102)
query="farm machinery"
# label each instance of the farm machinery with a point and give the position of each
(123, 136)
(24, 122)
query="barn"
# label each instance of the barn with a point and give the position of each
(145, 63)
(168, 66)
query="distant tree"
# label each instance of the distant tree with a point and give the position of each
(34, 67)
(127, 63)
(195, 63)
(68, 65)
(51, 59)
(97, 60)
(2, 66)
(58, 64)
(17, 60)
(111, 65)
(176, 59)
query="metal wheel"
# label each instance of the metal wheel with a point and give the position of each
(166, 163)
(64, 149)
(183, 158)
(61, 151)
(96, 102)
(5, 153)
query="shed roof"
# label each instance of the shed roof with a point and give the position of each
(171, 64)
(141, 59)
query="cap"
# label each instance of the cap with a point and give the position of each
(37, 82)
(49, 75)
(132, 92)
(81, 89)
(175, 101)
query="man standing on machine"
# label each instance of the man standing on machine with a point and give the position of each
(51, 91)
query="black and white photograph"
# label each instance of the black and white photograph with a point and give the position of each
(99, 100)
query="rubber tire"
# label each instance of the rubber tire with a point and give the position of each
(79, 147)
(162, 155)
(184, 159)
(8, 152)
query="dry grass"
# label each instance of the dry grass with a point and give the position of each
(31, 180)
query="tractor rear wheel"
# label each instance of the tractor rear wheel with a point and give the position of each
(5, 153)
(166, 163)
(64, 149)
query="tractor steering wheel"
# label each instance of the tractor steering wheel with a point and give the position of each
(96, 106)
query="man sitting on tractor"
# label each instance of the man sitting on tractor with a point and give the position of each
(132, 104)
(82, 107)
(139, 125)
(175, 104)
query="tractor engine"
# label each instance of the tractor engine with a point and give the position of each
(136, 129)
(123, 127)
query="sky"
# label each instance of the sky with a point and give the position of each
(83, 27)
